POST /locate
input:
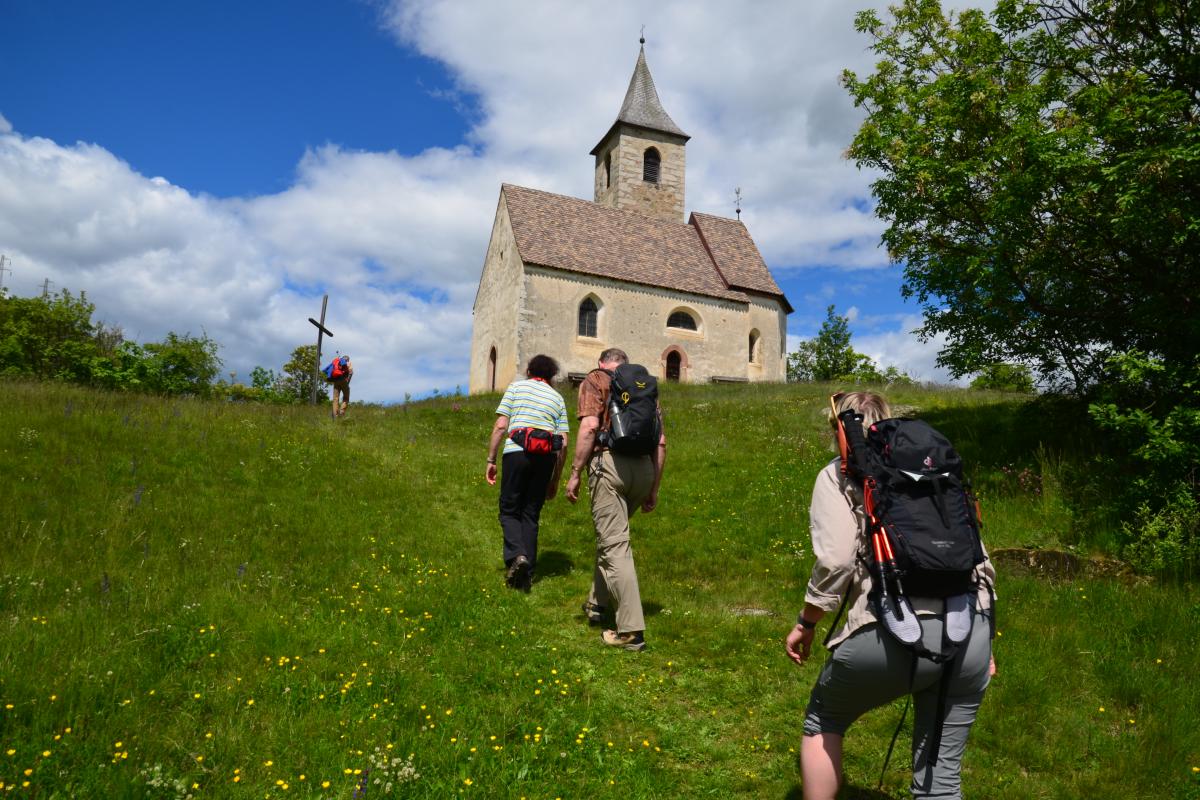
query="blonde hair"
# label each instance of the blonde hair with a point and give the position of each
(873, 407)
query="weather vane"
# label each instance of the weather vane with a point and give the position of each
(737, 201)
(642, 38)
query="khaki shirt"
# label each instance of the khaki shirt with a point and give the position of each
(839, 535)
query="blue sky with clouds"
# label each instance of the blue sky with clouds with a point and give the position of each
(218, 165)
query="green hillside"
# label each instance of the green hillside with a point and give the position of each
(223, 600)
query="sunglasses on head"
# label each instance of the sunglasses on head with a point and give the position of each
(834, 399)
(843, 445)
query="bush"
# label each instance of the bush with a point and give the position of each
(1152, 416)
(1165, 539)
(47, 337)
(182, 365)
(1005, 378)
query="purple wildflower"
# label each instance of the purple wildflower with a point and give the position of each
(361, 790)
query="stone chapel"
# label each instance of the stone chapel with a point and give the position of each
(691, 300)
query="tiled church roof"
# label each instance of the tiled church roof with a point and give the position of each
(567, 233)
(735, 254)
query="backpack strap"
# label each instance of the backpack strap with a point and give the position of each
(935, 741)
(912, 680)
(991, 612)
(841, 608)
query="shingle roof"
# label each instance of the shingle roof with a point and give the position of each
(553, 230)
(735, 254)
(642, 106)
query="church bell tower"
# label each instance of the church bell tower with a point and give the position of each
(640, 161)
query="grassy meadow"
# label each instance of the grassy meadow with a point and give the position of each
(222, 600)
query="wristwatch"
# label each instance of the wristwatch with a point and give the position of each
(803, 623)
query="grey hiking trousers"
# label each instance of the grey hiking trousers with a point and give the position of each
(871, 669)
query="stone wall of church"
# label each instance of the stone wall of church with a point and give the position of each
(634, 318)
(497, 310)
(767, 318)
(621, 185)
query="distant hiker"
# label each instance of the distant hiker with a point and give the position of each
(622, 445)
(339, 372)
(531, 420)
(870, 666)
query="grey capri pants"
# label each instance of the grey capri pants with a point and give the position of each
(871, 669)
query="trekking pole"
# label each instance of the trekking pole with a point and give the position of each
(885, 556)
(891, 560)
(878, 544)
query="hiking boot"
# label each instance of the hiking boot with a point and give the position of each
(518, 575)
(633, 641)
(594, 613)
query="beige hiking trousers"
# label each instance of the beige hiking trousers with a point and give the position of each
(618, 486)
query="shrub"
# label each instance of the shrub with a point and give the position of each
(1005, 378)
(1152, 415)
(1165, 539)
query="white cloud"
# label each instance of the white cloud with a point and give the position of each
(398, 240)
(903, 350)
(154, 258)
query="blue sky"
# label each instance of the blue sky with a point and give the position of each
(219, 96)
(217, 166)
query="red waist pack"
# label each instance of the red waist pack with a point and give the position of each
(536, 441)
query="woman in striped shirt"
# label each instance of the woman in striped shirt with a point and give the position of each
(531, 421)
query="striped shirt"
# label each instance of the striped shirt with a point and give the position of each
(532, 404)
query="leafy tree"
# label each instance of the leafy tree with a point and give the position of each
(298, 379)
(1039, 175)
(1005, 378)
(828, 356)
(869, 372)
(123, 366)
(53, 337)
(47, 337)
(261, 378)
(181, 365)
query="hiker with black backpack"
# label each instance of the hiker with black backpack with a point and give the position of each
(895, 535)
(622, 446)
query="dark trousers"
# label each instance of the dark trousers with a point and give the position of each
(523, 482)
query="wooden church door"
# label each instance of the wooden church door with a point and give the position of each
(673, 361)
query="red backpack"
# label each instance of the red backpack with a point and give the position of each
(337, 369)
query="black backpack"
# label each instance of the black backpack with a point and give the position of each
(923, 529)
(916, 497)
(634, 427)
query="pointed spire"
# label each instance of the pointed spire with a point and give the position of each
(642, 106)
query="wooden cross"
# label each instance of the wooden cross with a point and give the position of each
(321, 332)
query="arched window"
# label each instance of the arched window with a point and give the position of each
(608, 170)
(491, 371)
(681, 319)
(588, 312)
(755, 339)
(650, 164)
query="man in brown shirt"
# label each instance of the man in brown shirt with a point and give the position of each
(619, 485)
